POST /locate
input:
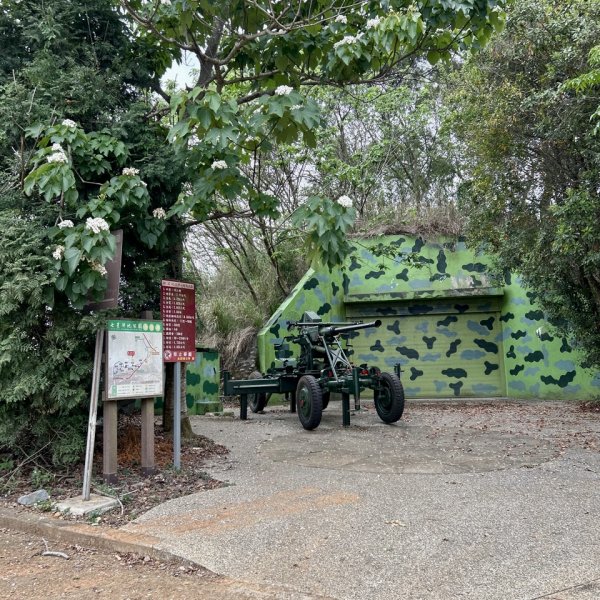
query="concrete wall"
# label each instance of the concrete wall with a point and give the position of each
(455, 330)
(202, 383)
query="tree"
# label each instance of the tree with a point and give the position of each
(72, 66)
(80, 70)
(534, 160)
(255, 57)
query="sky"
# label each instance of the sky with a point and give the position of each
(182, 73)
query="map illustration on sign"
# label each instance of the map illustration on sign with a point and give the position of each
(135, 359)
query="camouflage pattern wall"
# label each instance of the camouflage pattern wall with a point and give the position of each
(202, 380)
(455, 331)
(202, 383)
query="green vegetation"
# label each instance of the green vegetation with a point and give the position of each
(526, 112)
(71, 75)
(447, 119)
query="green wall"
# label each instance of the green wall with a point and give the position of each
(202, 383)
(202, 380)
(454, 329)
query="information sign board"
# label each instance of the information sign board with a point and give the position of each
(134, 366)
(178, 312)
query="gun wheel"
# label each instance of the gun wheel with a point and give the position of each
(389, 398)
(309, 402)
(258, 401)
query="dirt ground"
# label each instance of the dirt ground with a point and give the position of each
(25, 572)
(135, 492)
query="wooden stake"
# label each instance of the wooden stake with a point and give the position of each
(148, 467)
(109, 457)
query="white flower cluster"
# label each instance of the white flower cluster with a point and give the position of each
(345, 201)
(283, 90)
(130, 171)
(296, 107)
(219, 164)
(66, 224)
(69, 123)
(96, 224)
(57, 148)
(58, 252)
(58, 157)
(341, 19)
(159, 213)
(348, 39)
(99, 268)
(373, 23)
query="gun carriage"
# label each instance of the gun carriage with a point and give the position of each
(322, 368)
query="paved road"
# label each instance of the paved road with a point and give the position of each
(482, 502)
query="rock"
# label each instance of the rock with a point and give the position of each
(33, 498)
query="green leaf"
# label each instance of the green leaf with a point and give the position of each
(309, 138)
(276, 108)
(433, 56)
(87, 243)
(213, 100)
(72, 257)
(61, 283)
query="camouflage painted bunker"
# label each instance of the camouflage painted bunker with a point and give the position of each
(202, 379)
(455, 331)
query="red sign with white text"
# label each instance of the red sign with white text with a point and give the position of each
(178, 313)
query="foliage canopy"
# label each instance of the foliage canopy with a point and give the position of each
(534, 157)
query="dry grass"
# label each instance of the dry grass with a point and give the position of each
(240, 343)
(428, 222)
(129, 445)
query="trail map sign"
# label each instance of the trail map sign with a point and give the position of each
(134, 367)
(178, 312)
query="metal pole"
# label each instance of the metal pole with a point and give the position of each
(91, 437)
(345, 409)
(356, 385)
(177, 417)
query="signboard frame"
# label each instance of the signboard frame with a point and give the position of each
(178, 313)
(118, 331)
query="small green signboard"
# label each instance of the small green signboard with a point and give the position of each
(130, 325)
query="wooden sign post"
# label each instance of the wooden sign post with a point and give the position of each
(110, 300)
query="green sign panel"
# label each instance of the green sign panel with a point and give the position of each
(129, 325)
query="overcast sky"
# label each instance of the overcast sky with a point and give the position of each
(182, 73)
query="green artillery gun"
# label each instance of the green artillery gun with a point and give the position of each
(322, 368)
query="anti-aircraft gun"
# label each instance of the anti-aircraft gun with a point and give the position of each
(322, 367)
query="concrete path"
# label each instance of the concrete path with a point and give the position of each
(483, 502)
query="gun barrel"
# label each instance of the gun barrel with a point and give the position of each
(334, 330)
